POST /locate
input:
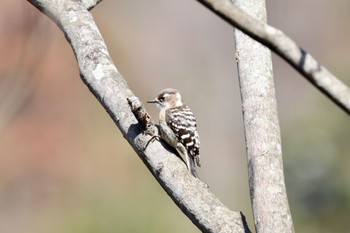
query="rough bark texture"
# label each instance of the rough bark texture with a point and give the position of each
(262, 131)
(103, 79)
(286, 48)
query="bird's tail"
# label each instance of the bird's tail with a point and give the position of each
(193, 162)
(193, 167)
(196, 159)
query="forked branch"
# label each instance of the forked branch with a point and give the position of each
(98, 72)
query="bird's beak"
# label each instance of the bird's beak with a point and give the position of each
(152, 101)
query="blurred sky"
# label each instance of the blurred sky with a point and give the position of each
(65, 167)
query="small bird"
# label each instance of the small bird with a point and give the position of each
(178, 127)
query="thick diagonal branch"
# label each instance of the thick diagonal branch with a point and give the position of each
(103, 79)
(286, 48)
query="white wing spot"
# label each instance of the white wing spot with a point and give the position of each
(185, 136)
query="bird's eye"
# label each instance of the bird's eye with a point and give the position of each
(161, 99)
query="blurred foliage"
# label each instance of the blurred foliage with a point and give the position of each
(316, 162)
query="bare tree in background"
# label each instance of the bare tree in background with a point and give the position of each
(268, 194)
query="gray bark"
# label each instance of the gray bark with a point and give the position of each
(262, 131)
(286, 48)
(103, 79)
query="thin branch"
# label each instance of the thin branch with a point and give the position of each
(286, 48)
(103, 79)
(262, 131)
(89, 4)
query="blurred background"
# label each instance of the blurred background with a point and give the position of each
(65, 167)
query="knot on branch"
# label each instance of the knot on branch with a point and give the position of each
(139, 111)
(144, 119)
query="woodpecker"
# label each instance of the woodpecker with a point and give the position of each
(178, 127)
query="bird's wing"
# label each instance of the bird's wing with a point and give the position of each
(183, 123)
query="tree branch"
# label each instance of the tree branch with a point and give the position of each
(103, 79)
(286, 48)
(89, 4)
(262, 131)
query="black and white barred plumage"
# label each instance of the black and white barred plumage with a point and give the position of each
(178, 126)
(181, 120)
